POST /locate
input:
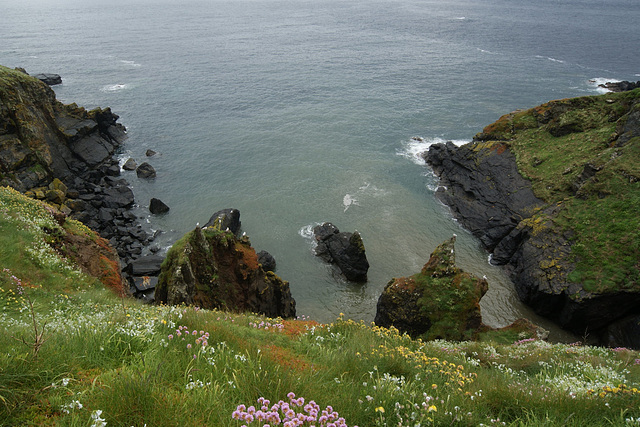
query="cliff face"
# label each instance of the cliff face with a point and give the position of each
(211, 268)
(441, 301)
(64, 155)
(553, 192)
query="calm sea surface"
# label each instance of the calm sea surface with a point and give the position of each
(300, 112)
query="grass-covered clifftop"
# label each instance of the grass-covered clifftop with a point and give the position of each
(75, 354)
(583, 155)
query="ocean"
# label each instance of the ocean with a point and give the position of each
(301, 112)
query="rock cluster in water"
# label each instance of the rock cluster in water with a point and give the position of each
(346, 250)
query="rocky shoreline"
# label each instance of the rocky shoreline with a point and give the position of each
(531, 226)
(67, 156)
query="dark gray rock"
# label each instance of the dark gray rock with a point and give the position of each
(489, 197)
(225, 219)
(130, 165)
(157, 206)
(145, 266)
(145, 170)
(267, 261)
(150, 153)
(620, 86)
(48, 78)
(346, 250)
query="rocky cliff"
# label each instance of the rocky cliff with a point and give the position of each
(64, 154)
(553, 192)
(441, 301)
(212, 268)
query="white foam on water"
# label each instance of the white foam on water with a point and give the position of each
(130, 63)
(307, 233)
(550, 59)
(349, 200)
(596, 82)
(114, 88)
(486, 51)
(417, 145)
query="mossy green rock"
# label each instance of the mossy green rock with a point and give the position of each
(441, 301)
(211, 269)
(562, 213)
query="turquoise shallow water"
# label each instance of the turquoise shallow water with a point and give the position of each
(302, 112)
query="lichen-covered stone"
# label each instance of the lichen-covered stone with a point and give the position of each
(210, 268)
(441, 301)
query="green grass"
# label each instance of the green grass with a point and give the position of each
(602, 216)
(113, 360)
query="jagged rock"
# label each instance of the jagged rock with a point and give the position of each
(620, 86)
(145, 170)
(157, 206)
(267, 261)
(43, 141)
(225, 219)
(534, 240)
(346, 250)
(150, 153)
(48, 78)
(441, 301)
(483, 188)
(130, 164)
(214, 269)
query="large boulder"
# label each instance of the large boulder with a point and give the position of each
(211, 268)
(49, 78)
(225, 220)
(346, 250)
(441, 301)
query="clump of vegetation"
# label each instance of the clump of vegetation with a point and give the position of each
(108, 361)
(581, 155)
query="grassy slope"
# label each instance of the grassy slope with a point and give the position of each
(604, 213)
(138, 365)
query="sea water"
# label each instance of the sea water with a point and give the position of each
(301, 112)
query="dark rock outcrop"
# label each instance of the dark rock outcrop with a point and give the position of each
(214, 269)
(441, 301)
(535, 239)
(48, 78)
(483, 188)
(226, 219)
(346, 250)
(157, 206)
(267, 261)
(621, 86)
(43, 141)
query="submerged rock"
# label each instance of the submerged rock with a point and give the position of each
(214, 269)
(441, 301)
(145, 170)
(346, 250)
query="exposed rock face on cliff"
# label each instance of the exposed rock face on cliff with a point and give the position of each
(553, 193)
(211, 268)
(441, 301)
(65, 155)
(346, 250)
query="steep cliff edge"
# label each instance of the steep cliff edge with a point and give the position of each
(554, 193)
(65, 155)
(212, 268)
